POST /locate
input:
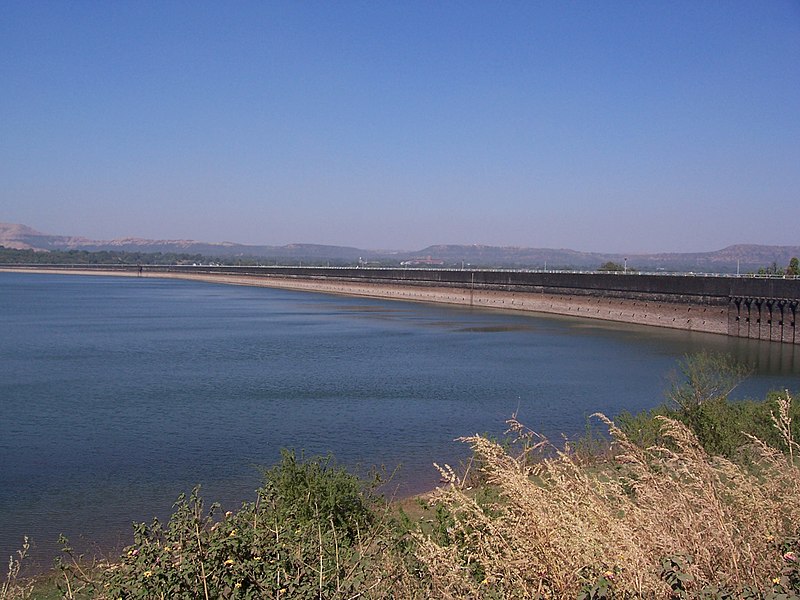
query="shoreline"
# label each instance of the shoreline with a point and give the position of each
(684, 316)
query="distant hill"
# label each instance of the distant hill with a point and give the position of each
(22, 237)
(744, 257)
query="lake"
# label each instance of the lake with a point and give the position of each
(118, 394)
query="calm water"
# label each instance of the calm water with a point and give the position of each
(118, 394)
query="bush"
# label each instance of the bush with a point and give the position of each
(698, 397)
(644, 428)
(703, 377)
(314, 531)
(722, 427)
(308, 492)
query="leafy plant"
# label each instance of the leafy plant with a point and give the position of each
(314, 531)
(705, 376)
(673, 572)
(305, 492)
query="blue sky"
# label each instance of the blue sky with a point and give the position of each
(599, 126)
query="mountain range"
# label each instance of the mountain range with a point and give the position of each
(741, 257)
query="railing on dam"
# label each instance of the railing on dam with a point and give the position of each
(672, 285)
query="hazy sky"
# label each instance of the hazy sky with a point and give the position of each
(618, 126)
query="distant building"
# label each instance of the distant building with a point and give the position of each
(422, 262)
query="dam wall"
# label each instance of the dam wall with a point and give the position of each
(752, 307)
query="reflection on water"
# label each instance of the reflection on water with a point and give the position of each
(116, 395)
(497, 328)
(767, 359)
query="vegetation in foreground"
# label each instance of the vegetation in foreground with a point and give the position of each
(679, 503)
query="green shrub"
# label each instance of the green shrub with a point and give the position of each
(705, 376)
(722, 427)
(644, 429)
(314, 531)
(306, 492)
(698, 397)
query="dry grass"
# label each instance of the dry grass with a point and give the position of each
(560, 527)
(13, 588)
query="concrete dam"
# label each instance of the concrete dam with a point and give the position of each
(750, 307)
